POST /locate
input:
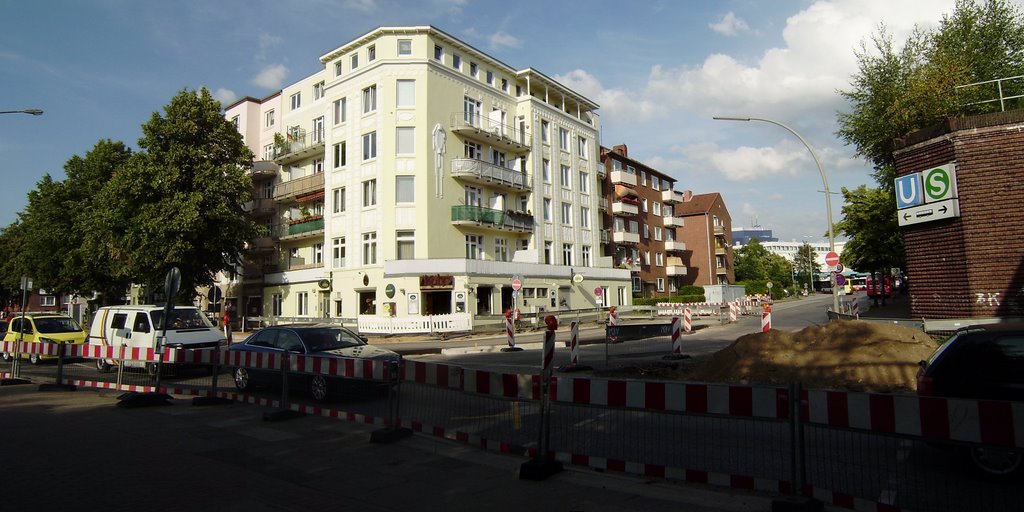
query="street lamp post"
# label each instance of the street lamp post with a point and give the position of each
(30, 111)
(824, 181)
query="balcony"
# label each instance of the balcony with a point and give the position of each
(719, 229)
(721, 270)
(492, 131)
(602, 204)
(671, 196)
(625, 237)
(674, 245)
(486, 173)
(672, 222)
(624, 208)
(505, 220)
(262, 245)
(263, 169)
(263, 207)
(298, 145)
(720, 249)
(675, 270)
(604, 236)
(303, 228)
(623, 178)
(287, 191)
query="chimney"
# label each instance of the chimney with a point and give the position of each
(687, 195)
(621, 149)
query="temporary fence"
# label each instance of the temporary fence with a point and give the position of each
(711, 309)
(864, 451)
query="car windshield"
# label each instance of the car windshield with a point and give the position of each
(181, 319)
(327, 338)
(56, 325)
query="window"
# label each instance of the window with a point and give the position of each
(370, 99)
(547, 209)
(522, 244)
(584, 217)
(566, 178)
(643, 204)
(337, 68)
(566, 254)
(545, 170)
(406, 90)
(660, 283)
(268, 190)
(296, 100)
(318, 90)
(545, 132)
(647, 231)
(369, 193)
(405, 140)
(457, 61)
(581, 145)
(585, 255)
(48, 300)
(371, 53)
(234, 122)
(370, 146)
(473, 70)
(548, 252)
(657, 233)
(500, 249)
(655, 183)
(339, 200)
(471, 108)
(268, 118)
(318, 253)
(302, 306)
(474, 196)
(318, 130)
(656, 208)
(405, 189)
(318, 165)
(473, 150)
(563, 139)
(277, 304)
(498, 157)
(340, 110)
(405, 47)
(584, 184)
(504, 84)
(338, 252)
(490, 77)
(438, 53)
(643, 178)
(524, 203)
(647, 258)
(567, 214)
(659, 259)
(355, 61)
(405, 245)
(268, 152)
(474, 247)
(339, 155)
(370, 248)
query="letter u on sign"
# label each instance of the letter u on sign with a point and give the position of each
(908, 191)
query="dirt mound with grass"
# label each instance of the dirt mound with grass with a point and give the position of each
(850, 355)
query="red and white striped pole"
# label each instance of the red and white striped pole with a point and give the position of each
(734, 309)
(687, 320)
(855, 309)
(766, 319)
(574, 343)
(677, 340)
(510, 331)
(613, 318)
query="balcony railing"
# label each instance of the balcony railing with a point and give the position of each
(262, 169)
(489, 217)
(672, 222)
(494, 132)
(261, 207)
(720, 249)
(671, 196)
(623, 178)
(605, 237)
(675, 270)
(673, 245)
(487, 173)
(262, 245)
(719, 230)
(625, 237)
(299, 145)
(602, 204)
(624, 208)
(302, 228)
(287, 191)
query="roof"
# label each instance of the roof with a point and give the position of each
(698, 204)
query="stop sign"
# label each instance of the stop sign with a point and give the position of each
(831, 258)
(516, 285)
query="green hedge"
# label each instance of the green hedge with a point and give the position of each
(679, 299)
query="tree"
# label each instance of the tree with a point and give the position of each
(179, 201)
(755, 265)
(806, 265)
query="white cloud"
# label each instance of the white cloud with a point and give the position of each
(271, 77)
(746, 163)
(502, 39)
(225, 96)
(618, 103)
(362, 5)
(730, 25)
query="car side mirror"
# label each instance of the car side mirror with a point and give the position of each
(923, 364)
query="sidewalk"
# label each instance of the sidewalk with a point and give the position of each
(78, 451)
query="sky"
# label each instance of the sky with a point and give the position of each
(659, 69)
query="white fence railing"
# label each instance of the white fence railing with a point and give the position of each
(456, 322)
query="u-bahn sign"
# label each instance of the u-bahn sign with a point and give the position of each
(927, 196)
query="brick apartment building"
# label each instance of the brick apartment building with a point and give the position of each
(971, 265)
(644, 229)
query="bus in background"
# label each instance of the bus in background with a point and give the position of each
(858, 282)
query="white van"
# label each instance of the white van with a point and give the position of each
(139, 326)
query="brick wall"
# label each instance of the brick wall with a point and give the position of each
(971, 266)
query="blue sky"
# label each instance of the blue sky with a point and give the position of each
(659, 70)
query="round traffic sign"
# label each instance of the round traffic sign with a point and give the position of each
(516, 285)
(831, 258)
(598, 291)
(840, 279)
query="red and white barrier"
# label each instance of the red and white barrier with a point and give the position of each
(549, 350)
(688, 320)
(766, 321)
(677, 340)
(613, 317)
(734, 310)
(574, 343)
(510, 332)
(855, 309)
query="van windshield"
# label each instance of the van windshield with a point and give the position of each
(181, 319)
(56, 325)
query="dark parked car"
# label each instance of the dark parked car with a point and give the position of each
(979, 362)
(323, 340)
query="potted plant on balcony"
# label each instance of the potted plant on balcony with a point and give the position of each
(281, 146)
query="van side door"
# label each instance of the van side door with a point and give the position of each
(117, 331)
(142, 333)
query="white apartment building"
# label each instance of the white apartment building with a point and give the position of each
(415, 175)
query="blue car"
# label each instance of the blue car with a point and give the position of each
(312, 339)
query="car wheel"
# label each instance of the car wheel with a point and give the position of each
(34, 359)
(996, 462)
(151, 369)
(6, 356)
(318, 388)
(102, 366)
(241, 376)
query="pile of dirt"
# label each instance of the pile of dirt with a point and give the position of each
(851, 355)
